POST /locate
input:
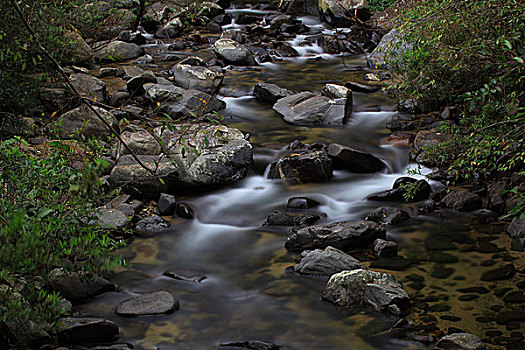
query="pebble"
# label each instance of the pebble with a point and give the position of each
(500, 273)
(514, 297)
(468, 297)
(478, 290)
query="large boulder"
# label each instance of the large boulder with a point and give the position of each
(117, 51)
(390, 47)
(348, 158)
(382, 291)
(78, 52)
(171, 29)
(197, 77)
(233, 52)
(302, 167)
(269, 93)
(338, 12)
(77, 287)
(307, 108)
(326, 262)
(340, 235)
(404, 189)
(516, 227)
(460, 341)
(140, 141)
(90, 87)
(462, 201)
(148, 304)
(82, 121)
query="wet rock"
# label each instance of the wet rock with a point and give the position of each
(496, 201)
(506, 317)
(111, 219)
(382, 291)
(460, 341)
(300, 7)
(132, 37)
(302, 168)
(326, 262)
(130, 174)
(183, 210)
(334, 12)
(385, 249)
(356, 87)
(136, 84)
(198, 77)
(146, 59)
(19, 333)
(140, 141)
(278, 218)
(477, 290)
(184, 275)
(301, 203)
(516, 227)
(390, 44)
(233, 52)
(307, 219)
(421, 191)
(166, 204)
(514, 297)
(214, 28)
(387, 216)
(77, 287)
(518, 244)
(284, 50)
(340, 235)
(86, 330)
(348, 158)
(252, 345)
(337, 91)
(89, 87)
(128, 72)
(148, 304)
(171, 29)
(117, 51)
(107, 72)
(307, 108)
(394, 264)
(278, 21)
(153, 223)
(269, 93)
(500, 273)
(462, 201)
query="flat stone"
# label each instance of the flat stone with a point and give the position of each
(387, 216)
(326, 262)
(460, 341)
(353, 160)
(270, 93)
(76, 287)
(356, 87)
(86, 330)
(148, 304)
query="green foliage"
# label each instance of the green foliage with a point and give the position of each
(379, 5)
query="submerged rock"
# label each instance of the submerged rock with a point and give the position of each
(148, 304)
(233, 52)
(326, 262)
(460, 341)
(270, 93)
(387, 216)
(340, 235)
(382, 291)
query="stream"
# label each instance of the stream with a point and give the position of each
(249, 292)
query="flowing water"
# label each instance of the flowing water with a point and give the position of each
(248, 292)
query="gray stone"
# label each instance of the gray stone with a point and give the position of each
(326, 262)
(278, 218)
(301, 203)
(136, 84)
(518, 244)
(84, 330)
(385, 249)
(111, 219)
(516, 228)
(153, 223)
(173, 28)
(423, 140)
(307, 108)
(117, 51)
(89, 87)
(183, 210)
(302, 168)
(140, 141)
(356, 87)
(459, 341)
(382, 291)
(340, 235)
(390, 45)
(233, 52)
(387, 216)
(144, 59)
(107, 72)
(462, 201)
(76, 287)
(148, 304)
(199, 78)
(337, 91)
(82, 121)
(166, 204)
(269, 93)
(353, 160)
(335, 12)
(78, 51)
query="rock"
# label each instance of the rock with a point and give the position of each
(326, 262)
(252, 345)
(501, 273)
(382, 291)
(117, 51)
(146, 59)
(307, 108)
(278, 21)
(56, 98)
(348, 158)
(462, 201)
(518, 244)
(132, 37)
(233, 52)
(422, 191)
(89, 87)
(76, 287)
(183, 210)
(390, 45)
(385, 249)
(166, 204)
(188, 276)
(173, 28)
(336, 91)
(340, 235)
(82, 121)
(153, 223)
(460, 341)
(269, 93)
(423, 140)
(516, 228)
(278, 218)
(107, 72)
(140, 141)
(130, 174)
(356, 87)
(387, 216)
(506, 317)
(148, 304)
(20, 333)
(84, 330)
(301, 203)
(335, 12)
(136, 84)
(199, 78)
(128, 72)
(111, 219)
(78, 52)
(394, 264)
(214, 28)
(307, 219)
(284, 50)
(301, 168)
(300, 7)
